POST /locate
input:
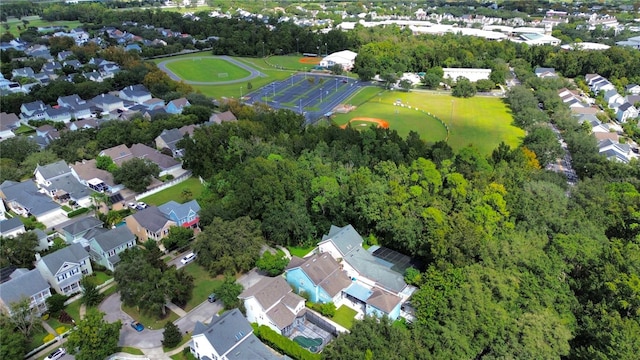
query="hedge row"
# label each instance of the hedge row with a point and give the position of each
(283, 344)
(77, 212)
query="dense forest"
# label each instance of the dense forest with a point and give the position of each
(520, 264)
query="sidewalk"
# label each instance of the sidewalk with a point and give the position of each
(176, 309)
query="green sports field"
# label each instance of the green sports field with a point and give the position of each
(289, 63)
(206, 69)
(480, 121)
(13, 24)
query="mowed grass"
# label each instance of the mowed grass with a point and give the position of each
(401, 119)
(151, 322)
(482, 122)
(13, 25)
(288, 62)
(300, 251)
(175, 192)
(234, 90)
(344, 316)
(206, 69)
(203, 285)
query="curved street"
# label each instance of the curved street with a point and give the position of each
(253, 72)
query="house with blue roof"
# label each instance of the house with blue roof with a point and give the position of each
(185, 215)
(106, 247)
(64, 268)
(23, 284)
(154, 222)
(229, 336)
(24, 199)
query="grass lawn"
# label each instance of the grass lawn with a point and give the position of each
(344, 316)
(203, 285)
(55, 324)
(100, 277)
(37, 338)
(300, 251)
(288, 62)
(110, 291)
(175, 192)
(13, 25)
(206, 69)
(73, 310)
(24, 130)
(483, 122)
(150, 322)
(401, 119)
(130, 350)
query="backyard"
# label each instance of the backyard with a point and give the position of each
(344, 316)
(176, 194)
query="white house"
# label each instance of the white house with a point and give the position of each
(626, 111)
(28, 284)
(64, 269)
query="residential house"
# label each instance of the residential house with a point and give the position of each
(602, 85)
(613, 99)
(319, 276)
(593, 78)
(11, 227)
(27, 110)
(133, 47)
(106, 247)
(64, 268)
(96, 179)
(167, 164)
(60, 114)
(76, 64)
(149, 223)
(94, 76)
(91, 123)
(107, 102)
(228, 336)
(185, 215)
(76, 231)
(63, 55)
(615, 151)
(625, 112)
(79, 35)
(543, 72)
(137, 94)
(50, 69)
(57, 181)
(271, 302)
(28, 284)
(44, 241)
(25, 72)
(592, 110)
(78, 107)
(168, 139)
(24, 199)
(119, 154)
(176, 106)
(8, 123)
(222, 117)
(154, 103)
(633, 89)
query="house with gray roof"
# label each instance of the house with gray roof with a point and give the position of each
(28, 284)
(8, 123)
(97, 179)
(58, 182)
(543, 72)
(106, 247)
(319, 276)
(167, 164)
(74, 232)
(136, 94)
(25, 72)
(222, 117)
(625, 112)
(28, 109)
(24, 199)
(64, 268)
(168, 139)
(228, 336)
(59, 114)
(176, 106)
(11, 227)
(271, 302)
(149, 223)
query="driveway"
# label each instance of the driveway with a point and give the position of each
(176, 261)
(148, 339)
(251, 278)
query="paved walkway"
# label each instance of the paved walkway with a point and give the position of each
(285, 251)
(176, 309)
(49, 329)
(253, 72)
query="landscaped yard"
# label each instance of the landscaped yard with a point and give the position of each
(203, 283)
(344, 316)
(100, 277)
(175, 192)
(37, 338)
(300, 251)
(149, 321)
(73, 310)
(206, 69)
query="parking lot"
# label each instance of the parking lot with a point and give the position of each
(313, 95)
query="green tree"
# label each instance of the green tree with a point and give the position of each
(55, 303)
(178, 237)
(336, 69)
(93, 338)
(463, 88)
(105, 162)
(484, 85)
(91, 296)
(272, 264)
(19, 250)
(431, 81)
(171, 335)
(25, 317)
(13, 344)
(18, 148)
(542, 141)
(228, 293)
(136, 174)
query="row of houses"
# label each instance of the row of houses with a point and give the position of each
(90, 242)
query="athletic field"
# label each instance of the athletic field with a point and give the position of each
(206, 69)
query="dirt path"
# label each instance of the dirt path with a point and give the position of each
(253, 72)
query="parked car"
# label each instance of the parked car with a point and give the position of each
(60, 352)
(212, 297)
(188, 258)
(137, 326)
(141, 205)
(131, 205)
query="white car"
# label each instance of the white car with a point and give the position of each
(188, 258)
(141, 205)
(56, 354)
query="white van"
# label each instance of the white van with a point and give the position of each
(188, 258)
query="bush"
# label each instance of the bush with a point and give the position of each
(61, 329)
(77, 212)
(283, 344)
(55, 303)
(65, 318)
(48, 338)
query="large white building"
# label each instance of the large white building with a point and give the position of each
(345, 58)
(472, 74)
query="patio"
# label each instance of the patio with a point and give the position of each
(312, 331)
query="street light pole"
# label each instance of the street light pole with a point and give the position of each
(336, 84)
(320, 94)
(297, 45)
(263, 49)
(240, 93)
(326, 50)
